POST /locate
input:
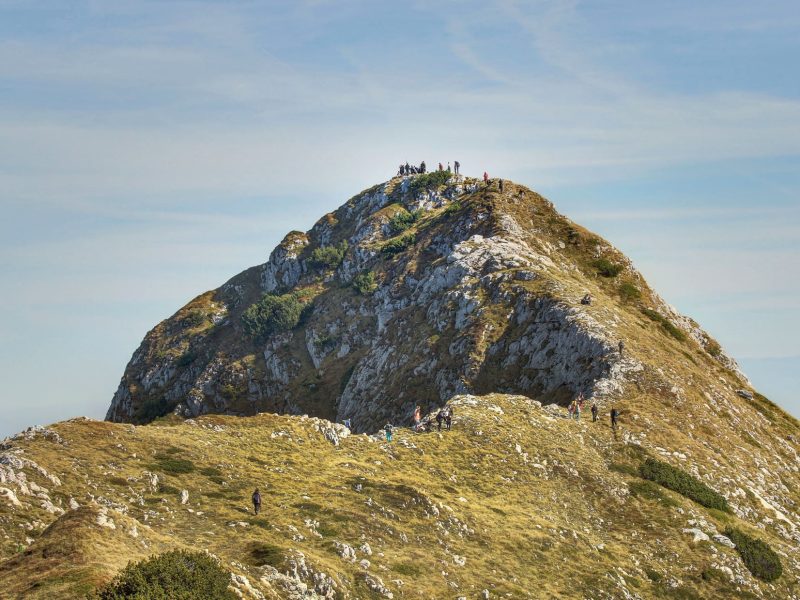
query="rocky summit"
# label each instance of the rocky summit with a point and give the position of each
(439, 291)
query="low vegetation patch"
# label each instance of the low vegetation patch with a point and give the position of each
(328, 257)
(168, 463)
(429, 181)
(666, 325)
(175, 574)
(398, 244)
(272, 314)
(194, 318)
(152, 409)
(267, 554)
(685, 484)
(629, 292)
(650, 491)
(365, 283)
(606, 268)
(757, 556)
(402, 220)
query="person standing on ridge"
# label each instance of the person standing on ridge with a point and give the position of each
(388, 429)
(440, 418)
(501, 186)
(456, 167)
(485, 178)
(621, 348)
(441, 168)
(417, 417)
(594, 412)
(614, 417)
(422, 167)
(448, 166)
(448, 417)
(256, 501)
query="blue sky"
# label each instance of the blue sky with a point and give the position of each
(151, 150)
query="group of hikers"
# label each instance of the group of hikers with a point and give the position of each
(444, 416)
(575, 409)
(407, 169)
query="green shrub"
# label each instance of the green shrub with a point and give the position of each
(174, 574)
(185, 359)
(606, 268)
(666, 325)
(713, 348)
(685, 484)
(650, 491)
(271, 314)
(328, 257)
(429, 181)
(397, 245)
(267, 554)
(194, 318)
(152, 409)
(365, 283)
(402, 220)
(629, 292)
(452, 208)
(170, 464)
(756, 555)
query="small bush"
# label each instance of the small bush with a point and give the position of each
(170, 464)
(606, 268)
(397, 245)
(452, 208)
(266, 554)
(629, 292)
(328, 257)
(713, 348)
(365, 283)
(429, 181)
(650, 491)
(152, 409)
(402, 221)
(175, 574)
(685, 484)
(756, 555)
(271, 314)
(666, 325)
(185, 359)
(194, 318)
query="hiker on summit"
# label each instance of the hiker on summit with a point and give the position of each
(594, 412)
(501, 186)
(614, 417)
(485, 178)
(440, 418)
(456, 167)
(422, 167)
(388, 429)
(256, 501)
(448, 166)
(571, 409)
(448, 417)
(441, 168)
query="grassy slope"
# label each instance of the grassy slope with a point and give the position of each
(555, 523)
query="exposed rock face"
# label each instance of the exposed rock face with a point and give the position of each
(479, 293)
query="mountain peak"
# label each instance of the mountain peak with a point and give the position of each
(412, 291)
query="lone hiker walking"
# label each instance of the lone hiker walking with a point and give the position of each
(485, 178)
(594, 412)
(456, 167)
(256, 501)
(388, 429)
(614, 417)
